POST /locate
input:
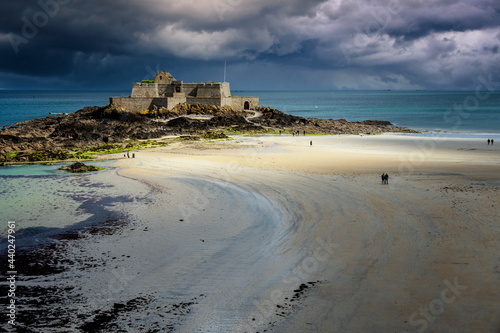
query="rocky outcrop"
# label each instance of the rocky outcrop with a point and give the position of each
(342, 126)
(52, 137)
(197, 108)
(87, 127)
(79, 167)
(275, 118)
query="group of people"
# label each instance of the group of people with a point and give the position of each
(385, 179)
(294, 133)
(490, 141)
(297, 133)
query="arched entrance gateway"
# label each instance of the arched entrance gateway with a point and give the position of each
(246, 105)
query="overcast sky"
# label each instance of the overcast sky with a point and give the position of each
(279, 45)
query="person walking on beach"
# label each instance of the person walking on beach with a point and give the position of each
(489, 141)
(383, 178)
(492, 141)
(311, 143)
(386, 179)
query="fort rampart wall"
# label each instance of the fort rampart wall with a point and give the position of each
(147, 95)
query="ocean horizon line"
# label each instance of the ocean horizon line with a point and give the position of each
(457, 111)
(258, 90)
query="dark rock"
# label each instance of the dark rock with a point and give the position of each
(181, 122)
(377, 122)
(79, 167)
(273, 117)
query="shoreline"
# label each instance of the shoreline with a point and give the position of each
(271, 233)
(476, 137)
(452, 134)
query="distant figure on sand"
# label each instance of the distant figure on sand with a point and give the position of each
(489, 141)
(492, 141)
(385, 178)
(311, 143)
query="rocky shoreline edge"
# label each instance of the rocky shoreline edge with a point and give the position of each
(108, 129)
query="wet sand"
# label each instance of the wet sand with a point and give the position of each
(272, 234)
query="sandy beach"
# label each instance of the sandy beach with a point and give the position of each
(294, 234)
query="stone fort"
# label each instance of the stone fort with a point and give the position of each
(166, 92)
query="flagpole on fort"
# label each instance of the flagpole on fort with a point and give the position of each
(224, 71)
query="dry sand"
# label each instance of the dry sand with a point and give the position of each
(420, 254)
(271, 234)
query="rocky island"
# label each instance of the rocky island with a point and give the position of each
(68, 136)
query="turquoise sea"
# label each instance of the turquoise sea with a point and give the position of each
(22, 105)
(460, 112)
(435, 111)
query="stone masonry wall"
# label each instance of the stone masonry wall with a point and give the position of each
(144, 90)
(212, 90)
(208, 101)
(145, 96)
(135, 104)
(238, 102)
(171, 102)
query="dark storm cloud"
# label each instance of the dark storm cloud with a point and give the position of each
(321, 44)
(423, 19)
